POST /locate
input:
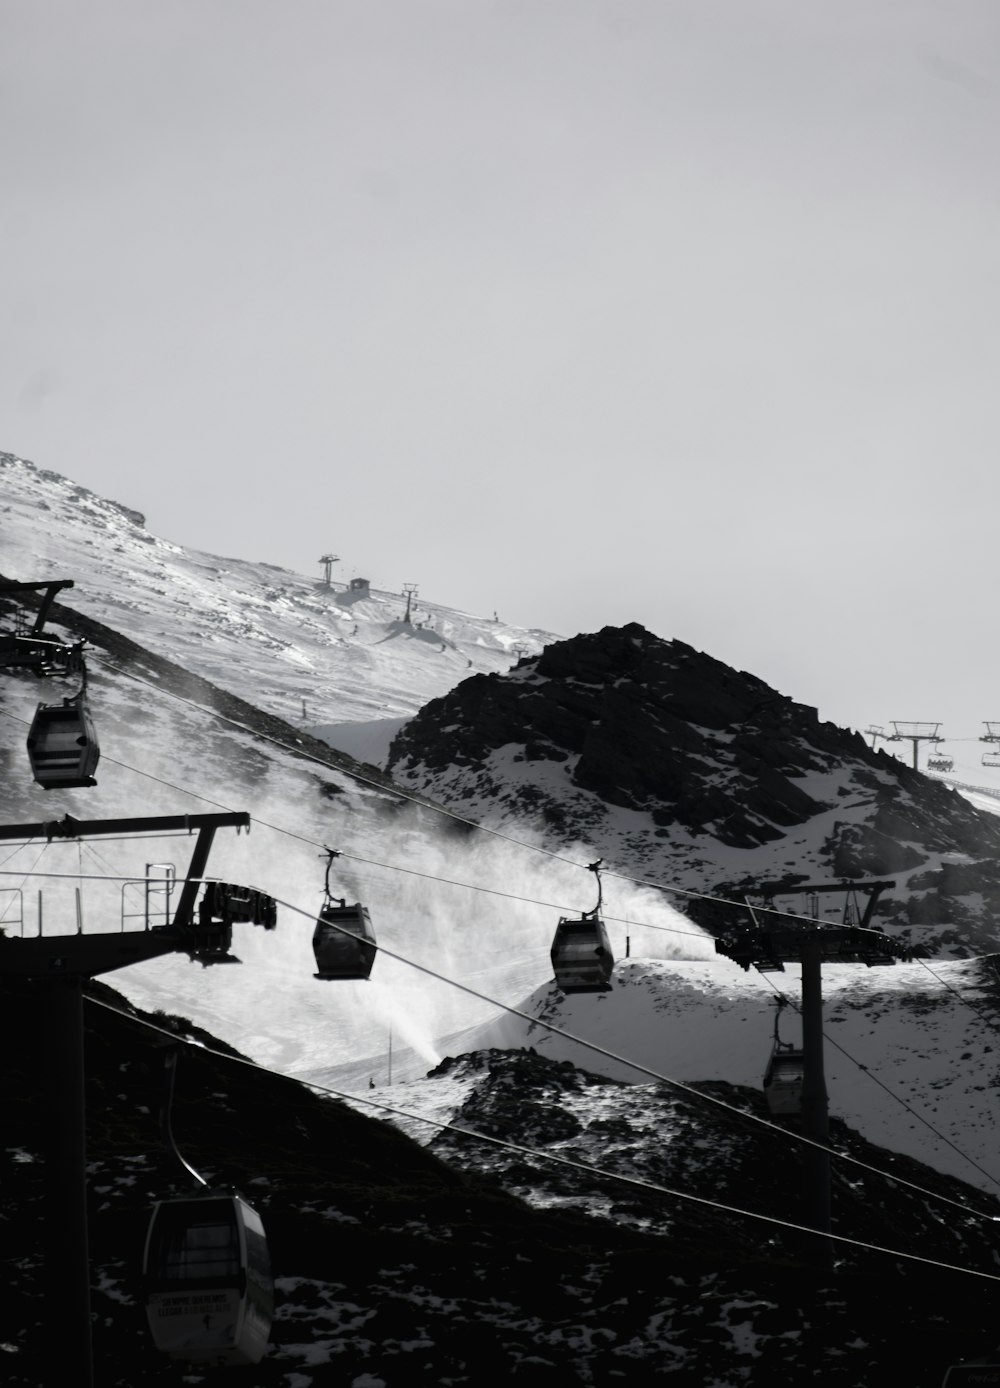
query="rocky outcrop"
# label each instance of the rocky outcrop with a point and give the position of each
(715, 768)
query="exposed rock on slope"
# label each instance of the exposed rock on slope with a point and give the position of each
(681, 768)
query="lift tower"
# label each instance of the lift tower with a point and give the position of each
(328, 561)
(915, 733)
(57, 966)
(770, 940)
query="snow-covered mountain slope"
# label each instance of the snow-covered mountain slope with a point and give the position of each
(477, 909)
(686, 771)
(913, 1051)
(168, 747)
(310, 654)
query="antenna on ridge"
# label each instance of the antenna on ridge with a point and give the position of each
(328, 560)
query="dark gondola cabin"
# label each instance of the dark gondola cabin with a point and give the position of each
(783, 1082)
(343, 942)
(207, 1277)
(581, 955)
(62, 745)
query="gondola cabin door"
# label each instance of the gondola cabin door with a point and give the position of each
(207, 1274)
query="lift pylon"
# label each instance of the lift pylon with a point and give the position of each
(915, 733)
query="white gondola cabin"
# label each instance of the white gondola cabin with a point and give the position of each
(581, 955)
(207, 1276)
(343, 941)
(62, 745)
(783, 1082)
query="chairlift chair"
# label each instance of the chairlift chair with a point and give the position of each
(207, 1279)
(62, 745)
(991, 758)
(940, 761)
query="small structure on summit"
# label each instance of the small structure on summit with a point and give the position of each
(361, 586)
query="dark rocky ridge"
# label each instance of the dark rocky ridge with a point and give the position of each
(394, 1268)
(716, 760)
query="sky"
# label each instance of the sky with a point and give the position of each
(583, 311)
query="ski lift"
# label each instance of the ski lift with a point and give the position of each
(206, 1269)
(784, 1075)
(343, 941)
(207, 1278)
(939, 760)
(991, 758)
(581, 951)
(62, 744)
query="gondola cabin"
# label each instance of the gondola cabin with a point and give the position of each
(783, 1083)
(344, 942)
(62, 745)
(207, 1276)
(581, 955)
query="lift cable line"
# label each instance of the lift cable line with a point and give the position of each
(551, 1156)
(412, 799)
(645, 1070)
(536, 902)
(742, 1115)
(392, 867)
(532, 901)
(785, 1001)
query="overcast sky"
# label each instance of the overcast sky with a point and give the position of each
(587, 311)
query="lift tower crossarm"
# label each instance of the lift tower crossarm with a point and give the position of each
(51, 586)
(70, 828)
(773, 889)
(86, 956)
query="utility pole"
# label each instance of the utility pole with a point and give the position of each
(327, 560)
(57, 966)
(915, 733)
(410, 589)
(773, 939)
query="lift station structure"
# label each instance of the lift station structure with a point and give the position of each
(771, 939)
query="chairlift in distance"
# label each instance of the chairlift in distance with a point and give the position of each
(62, 743)
(784, 1074)
(992, 758)
(939, 760)
(343, 942)
(206, 1268)
(581, 951)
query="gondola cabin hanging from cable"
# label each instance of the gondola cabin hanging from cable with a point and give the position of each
(581, 955)
(582, 961)
(783, 1082)
(207, 1277)
(343, 941)
(62, 745)
(785, 1072)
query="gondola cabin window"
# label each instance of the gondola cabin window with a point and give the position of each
(201, 1250)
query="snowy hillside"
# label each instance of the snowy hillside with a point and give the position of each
(476, 908)
(310, 654)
